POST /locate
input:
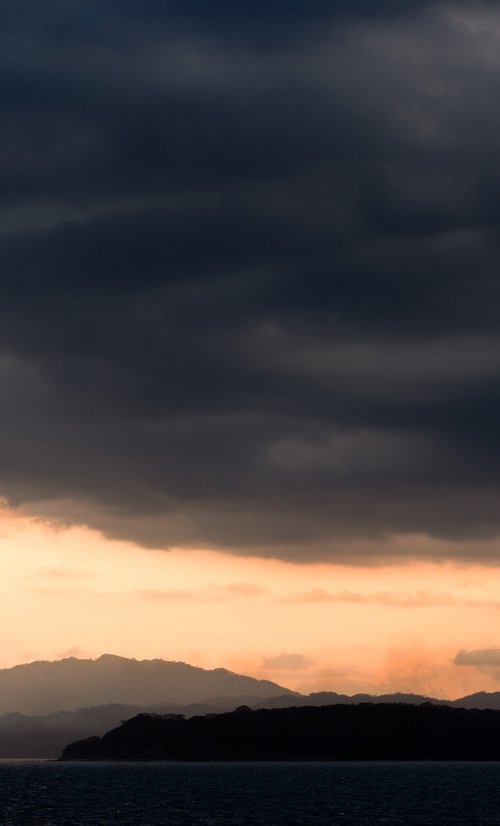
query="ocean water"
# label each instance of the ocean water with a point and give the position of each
(274, 794)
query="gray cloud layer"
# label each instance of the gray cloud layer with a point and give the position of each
(250, 289)
(479, 657)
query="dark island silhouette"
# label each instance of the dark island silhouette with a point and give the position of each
(366, 731)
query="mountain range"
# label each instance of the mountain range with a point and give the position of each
(45, 705)
(42, 687)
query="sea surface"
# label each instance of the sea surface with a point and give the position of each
(347, 794)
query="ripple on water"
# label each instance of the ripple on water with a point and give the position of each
(257, 794)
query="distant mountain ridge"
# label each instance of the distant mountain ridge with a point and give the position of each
(480, 700)
(45, 705)
(47, 687)
(44, 687)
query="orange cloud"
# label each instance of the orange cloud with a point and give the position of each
(63, 572)
(212, 592)
(417, 599)
(245, 589)
(287, 662)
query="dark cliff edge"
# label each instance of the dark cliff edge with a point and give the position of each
(392, 731)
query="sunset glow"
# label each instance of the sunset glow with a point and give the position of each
(70, 592)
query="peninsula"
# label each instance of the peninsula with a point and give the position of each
(368, 731)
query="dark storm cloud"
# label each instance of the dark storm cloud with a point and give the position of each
(250, 289)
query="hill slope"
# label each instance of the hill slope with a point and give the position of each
(45, 736)
(45, 687)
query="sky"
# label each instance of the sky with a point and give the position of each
(249, 338)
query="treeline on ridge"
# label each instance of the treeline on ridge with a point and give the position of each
(392, 731)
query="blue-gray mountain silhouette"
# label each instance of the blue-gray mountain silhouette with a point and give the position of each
(46, 687)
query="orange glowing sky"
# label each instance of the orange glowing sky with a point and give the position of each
(69, 591)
